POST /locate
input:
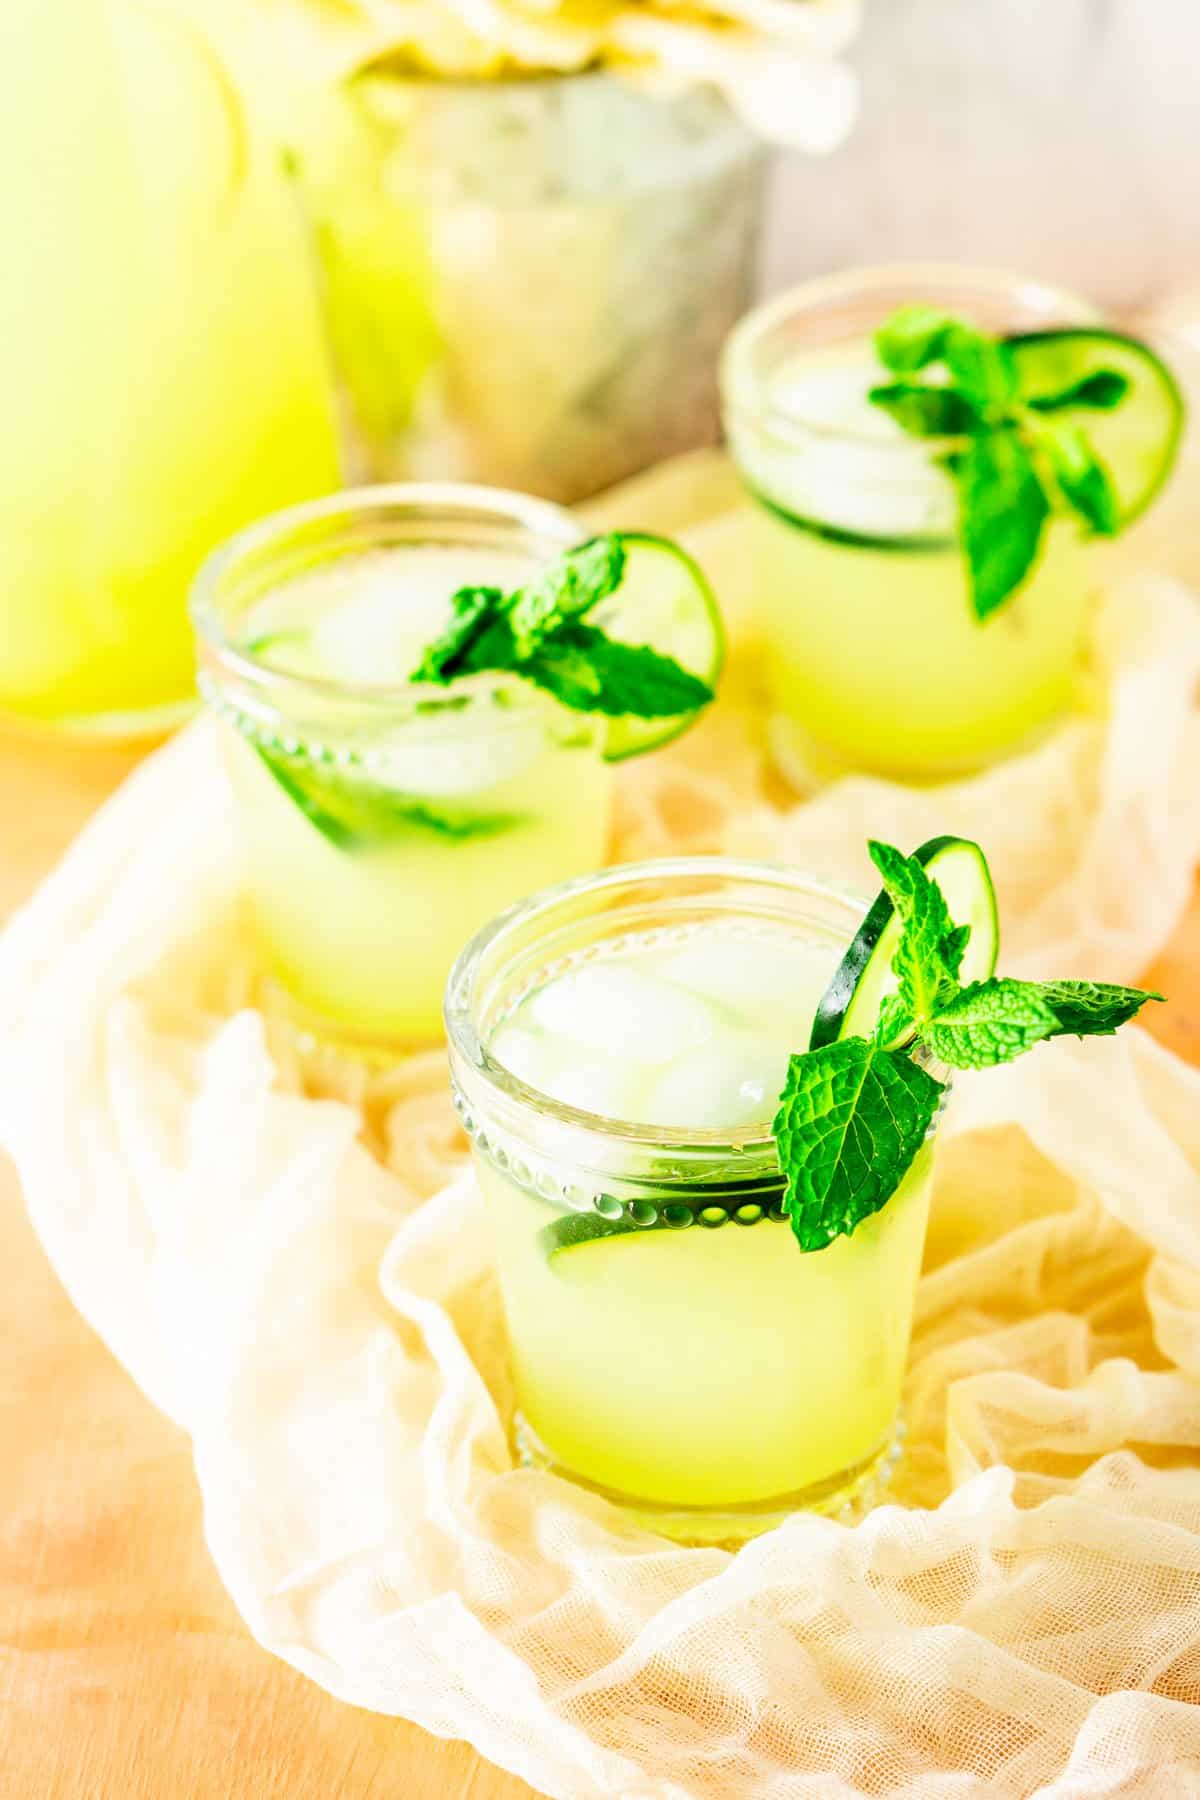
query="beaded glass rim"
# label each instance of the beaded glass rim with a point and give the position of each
(463, 1024)
(584, 1162)
(422, 511)
(746, 386)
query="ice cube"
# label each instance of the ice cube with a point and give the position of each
(568, 1072)
(833, 396)
(377, 635)
(454, 755)
(597, 1084)
(523, 1053)
(760, 979)
(734, 1080)
(624, 1012)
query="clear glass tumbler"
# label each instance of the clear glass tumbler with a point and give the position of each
(384, 821)
(527, 282)
(874, 657)
(673, 1347)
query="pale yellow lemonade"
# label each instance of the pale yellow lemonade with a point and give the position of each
(690, 1359)
(441, 810)
(874, 656)
(163, 375)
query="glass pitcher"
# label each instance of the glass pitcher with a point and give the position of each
(160, 358)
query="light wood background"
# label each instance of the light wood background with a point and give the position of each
(125, 1673)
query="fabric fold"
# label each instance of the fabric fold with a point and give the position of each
(292, 1260)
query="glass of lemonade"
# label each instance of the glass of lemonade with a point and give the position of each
(874, 657)
(618, 1045)
(383, 821)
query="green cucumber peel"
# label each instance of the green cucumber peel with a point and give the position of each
(353, 814)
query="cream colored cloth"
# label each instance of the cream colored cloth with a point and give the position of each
(778, 62)
(302, 1280)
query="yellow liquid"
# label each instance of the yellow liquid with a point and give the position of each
(364, 938)
(712, 1368)
(875, 655)
(361, 926)
(701, 1367)
(160, 356)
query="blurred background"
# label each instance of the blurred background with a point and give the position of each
(253, 250)
(1060, 139)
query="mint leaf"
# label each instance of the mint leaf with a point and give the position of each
(586, 670)
(982, 367)
(990, 1022)
(1080, 475)
(895, 1025)
(1002, 514)
(476, 613)
(1093, 1008)
(579, 580)
(926, 411)
(851, 1118)
(994, 1021)
(912, 338)
(1101, 390)
(931, 945)
(953, 946)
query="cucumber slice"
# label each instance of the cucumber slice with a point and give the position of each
(571, 1231)
(352, 813)
(1138, 440)
(862, 980)
(632, 1270)
(574, 1229)
(664, 601)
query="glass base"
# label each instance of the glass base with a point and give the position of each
(806, 764)
(132, 726)
(847, 1496)
(312, 1035)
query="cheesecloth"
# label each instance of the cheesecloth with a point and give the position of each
(293, 1263)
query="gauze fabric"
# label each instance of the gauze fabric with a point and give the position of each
(293, 1262)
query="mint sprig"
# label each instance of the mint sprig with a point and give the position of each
(1013, 463)
(851, 1118)
(853, 1114)
(540, 632)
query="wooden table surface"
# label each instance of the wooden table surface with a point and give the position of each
(125, 1673)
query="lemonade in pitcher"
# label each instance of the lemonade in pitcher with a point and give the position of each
(162, 370)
